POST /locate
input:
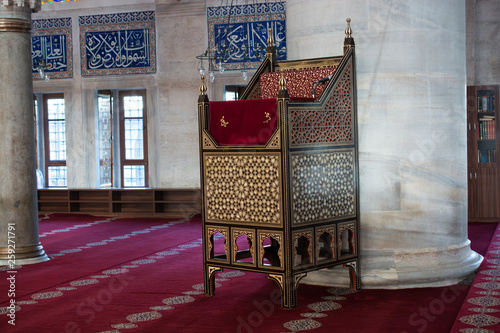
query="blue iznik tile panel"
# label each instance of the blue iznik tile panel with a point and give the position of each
(123, 43)
(51, 42)
(238, 35)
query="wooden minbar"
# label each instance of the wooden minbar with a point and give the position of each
(279, 172)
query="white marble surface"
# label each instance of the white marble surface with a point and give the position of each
(412, 140)
(17, 151)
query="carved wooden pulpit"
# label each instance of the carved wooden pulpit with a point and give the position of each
(279, 172)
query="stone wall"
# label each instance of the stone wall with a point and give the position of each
(483, 42)
(172, 92)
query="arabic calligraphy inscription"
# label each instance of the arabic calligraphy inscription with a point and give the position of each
(51, 42)
(122, 43)
(237, 35)
(117, 49)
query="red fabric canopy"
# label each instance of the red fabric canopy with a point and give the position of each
(244, 122)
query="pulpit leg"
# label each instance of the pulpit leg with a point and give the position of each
(209, 277)
(288, 288)
(353, 274)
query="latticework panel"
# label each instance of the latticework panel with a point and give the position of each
(333, 124)
(323, 185)
(243, 188)
(255, 93)
(299, 82)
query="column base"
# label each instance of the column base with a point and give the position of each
(400, 270)
(23, 255)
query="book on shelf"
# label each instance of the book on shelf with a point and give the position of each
(485, 101)
(487, 125)
(487, 156)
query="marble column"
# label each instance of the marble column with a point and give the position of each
(19, 238)
(411, 79)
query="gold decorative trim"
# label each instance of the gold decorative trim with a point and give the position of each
(207, 143)
(287, 65)
(275, 142)
(353, 264)
(15, 25)
(209, 277)
(268, 118)
(298, 277)
(278, 278)
(212, 270)
(223, 122)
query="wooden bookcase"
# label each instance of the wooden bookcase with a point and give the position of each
(137, 202)
(482, 147)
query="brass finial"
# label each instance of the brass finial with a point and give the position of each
(282, 81)
(203, 87)
(270, 38)
(348, 30)
(282, 92)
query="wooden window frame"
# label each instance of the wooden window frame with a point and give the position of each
(46, 134)
(123, 161)
(111, 94)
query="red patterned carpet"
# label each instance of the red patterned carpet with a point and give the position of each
(145, 275)
(480, 313)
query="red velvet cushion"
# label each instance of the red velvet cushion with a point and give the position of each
(299, 82)
(243, 123)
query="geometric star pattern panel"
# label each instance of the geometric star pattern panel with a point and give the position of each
(323, 185)
(333, 124)
(243, 188)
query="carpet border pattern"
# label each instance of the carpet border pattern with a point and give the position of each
(480, 312)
